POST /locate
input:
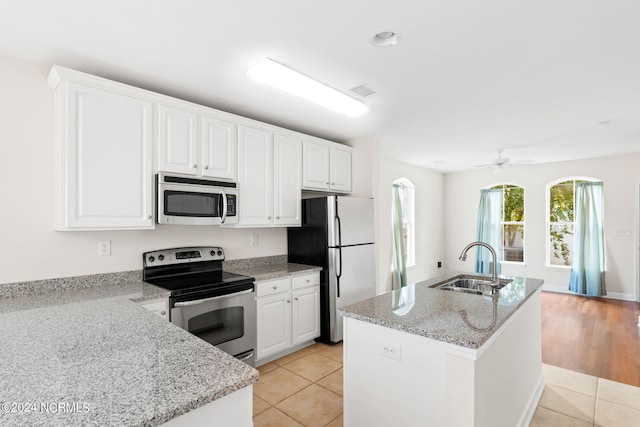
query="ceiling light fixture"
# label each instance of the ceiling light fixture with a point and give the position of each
(384, 38)
(284, 78)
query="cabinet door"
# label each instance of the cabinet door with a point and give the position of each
(315, 166)
(340, 170)
(287, 181)
(219, 149)
(306, 314)
(103, 160)
(177, 141)
(255, 176)
(274, 324)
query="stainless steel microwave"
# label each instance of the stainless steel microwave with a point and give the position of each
(184, 200)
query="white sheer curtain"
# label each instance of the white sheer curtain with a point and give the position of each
(489, 228)
(398, 263)
(587, 266)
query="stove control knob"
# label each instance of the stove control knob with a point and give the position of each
(151, 259)
(160, 257)
(212, 253)
(219, 252)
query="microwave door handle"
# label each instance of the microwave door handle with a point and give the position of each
(224, 206)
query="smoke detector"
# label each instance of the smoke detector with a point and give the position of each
(384, 38)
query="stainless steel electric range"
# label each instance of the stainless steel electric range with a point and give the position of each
(217, 306)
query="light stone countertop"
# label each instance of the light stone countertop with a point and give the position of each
(433, 313)
(273, 271)
(109, 360)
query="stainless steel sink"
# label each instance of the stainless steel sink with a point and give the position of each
(475, 285)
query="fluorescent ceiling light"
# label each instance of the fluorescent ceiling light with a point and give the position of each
(284, 78)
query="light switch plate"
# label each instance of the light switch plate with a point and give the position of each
(621, 231)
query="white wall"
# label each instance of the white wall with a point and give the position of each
(30, 249)
(620, 175)
(429, 218)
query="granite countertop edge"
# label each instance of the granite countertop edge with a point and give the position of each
(469, 339)
(275, 271)
(126, 298)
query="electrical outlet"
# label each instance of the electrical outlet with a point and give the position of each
(254, 240)
(104, 247)
(392, 351)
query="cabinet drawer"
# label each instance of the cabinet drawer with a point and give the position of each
(271, 287)
(305, 280)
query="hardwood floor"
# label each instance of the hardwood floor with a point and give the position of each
(595, 336)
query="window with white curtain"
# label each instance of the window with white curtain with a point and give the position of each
(407, 200)
(561, 199)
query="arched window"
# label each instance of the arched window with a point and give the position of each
(407, 201)
(512, 223)
(561, 219)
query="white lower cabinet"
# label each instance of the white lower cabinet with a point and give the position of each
(288, 313)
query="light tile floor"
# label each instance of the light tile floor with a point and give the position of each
(305, 389)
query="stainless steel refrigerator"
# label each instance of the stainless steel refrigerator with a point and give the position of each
(336, 234)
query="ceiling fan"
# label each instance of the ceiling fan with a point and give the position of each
(498, 163)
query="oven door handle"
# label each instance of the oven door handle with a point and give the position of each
(202, 301)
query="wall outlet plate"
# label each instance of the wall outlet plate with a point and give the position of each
(104, 248)
(392, 351)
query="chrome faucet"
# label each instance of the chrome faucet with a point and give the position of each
(463, 257)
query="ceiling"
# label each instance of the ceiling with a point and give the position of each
(467, 78)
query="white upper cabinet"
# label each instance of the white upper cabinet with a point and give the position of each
(316, 166)
(255, 177)
(103, 154)
(287, 180)
(326, 166)
(219, 148)
(177, 141)
(191, 143)
(340, 170)
(107, 133)
(270, 177)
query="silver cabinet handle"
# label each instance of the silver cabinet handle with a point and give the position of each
(307, 280)
(269, 217)
(149, 216)
(275, 287)
(163, 312)
(296, 298)
(288, 301)
(277, 217)
(206, 167)
(201, 301)
(195, 166)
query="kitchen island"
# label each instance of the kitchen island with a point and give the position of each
(410, 359)
(92, 356)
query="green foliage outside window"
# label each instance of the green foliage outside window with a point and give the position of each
(512, 223)
(513, 212)
(561, 220)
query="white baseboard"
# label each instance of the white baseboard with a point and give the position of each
(533, 403)
(611, 295)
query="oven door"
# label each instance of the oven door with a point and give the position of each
(227, 322)
(191, 204)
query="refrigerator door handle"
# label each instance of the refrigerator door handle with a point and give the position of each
(339, 267)
(338, 272)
